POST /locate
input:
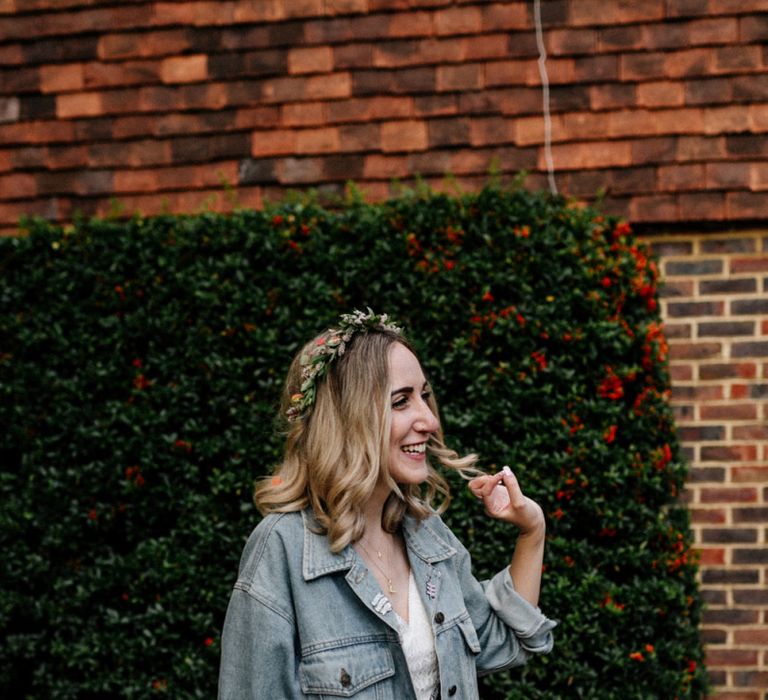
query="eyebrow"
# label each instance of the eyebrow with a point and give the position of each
(408, 389)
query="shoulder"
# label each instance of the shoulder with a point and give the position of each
(274, 542)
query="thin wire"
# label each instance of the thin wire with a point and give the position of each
(545, 97)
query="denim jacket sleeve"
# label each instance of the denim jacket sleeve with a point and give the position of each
(509, 628)
(259, 655)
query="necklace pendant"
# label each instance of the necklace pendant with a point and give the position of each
(391, 587)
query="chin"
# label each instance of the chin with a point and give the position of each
(409, 474)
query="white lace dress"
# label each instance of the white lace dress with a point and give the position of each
(419, 646)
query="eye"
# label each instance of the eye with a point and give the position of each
(400, 402)
(426, 395)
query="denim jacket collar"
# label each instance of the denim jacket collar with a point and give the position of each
(319, 560)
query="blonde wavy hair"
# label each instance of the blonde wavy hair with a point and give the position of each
(335, 454)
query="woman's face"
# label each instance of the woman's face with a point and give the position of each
(412, 419)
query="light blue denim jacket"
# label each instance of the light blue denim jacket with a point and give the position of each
(305, 622)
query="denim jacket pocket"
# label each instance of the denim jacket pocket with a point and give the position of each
(346, 670)
(470, 634)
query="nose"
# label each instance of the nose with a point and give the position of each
(426, 422)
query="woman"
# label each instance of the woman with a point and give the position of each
(352, 585)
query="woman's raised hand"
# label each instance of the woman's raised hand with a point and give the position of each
(504, 500)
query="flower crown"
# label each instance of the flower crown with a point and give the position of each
(328, 347)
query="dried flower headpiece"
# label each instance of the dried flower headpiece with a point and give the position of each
(328, 347)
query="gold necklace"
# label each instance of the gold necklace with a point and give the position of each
(390, 585)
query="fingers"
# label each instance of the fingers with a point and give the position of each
(513, 487)
(482, 486)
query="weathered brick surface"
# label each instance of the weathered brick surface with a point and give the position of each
(664, 105)
(716, 285)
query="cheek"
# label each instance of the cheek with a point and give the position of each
(397, 428)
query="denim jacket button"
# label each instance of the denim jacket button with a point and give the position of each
(439, 618)
(452, 691)
(346, 679)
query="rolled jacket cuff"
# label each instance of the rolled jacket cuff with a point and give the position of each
(531, 626)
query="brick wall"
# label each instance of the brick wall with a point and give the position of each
(661, 102)
(174, 105)
(715, 302)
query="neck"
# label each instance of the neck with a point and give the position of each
(374, 510)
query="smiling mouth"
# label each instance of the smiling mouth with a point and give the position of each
(419, 449)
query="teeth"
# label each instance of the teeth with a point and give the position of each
(415, 449)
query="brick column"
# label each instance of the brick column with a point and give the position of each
(715, 306)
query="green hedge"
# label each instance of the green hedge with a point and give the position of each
(140, 365)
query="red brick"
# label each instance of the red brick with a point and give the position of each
(317, 140)
(493, 130)
(468, 76)
(435, 105)
(758, 179)
(698, 206)
(750, 432)
(687, 63)
(700, 148)
(694, 351)
(753, 28)
(184, 69)
(37, 132)
(708, 515)
(732, 411)
(728, 175)
(756, 264)
(668, 121)
(411, 23)
(580, 126)
(758, 117)
(715, 30)
(612, 95)
(79, 104)
(338, 7)
(272, 143)
(393, 54)
(18, 186)
(681, 373)
(746, 205)
(681, 177)
(484, 46)
(653, 208)
(561, 71)
(403, 136)
(739, 391)
(640, 67)
(585, 12)
(369, 108)
(385, 167)
(509, 73)
(303, 114)
(709, 556)
(741, 474)
(728, 495)
(503, 15)
(737, 453)
(632, 123)
(62, 78)
(660, 94)
(163, 42)
(352, 56)
(718, 120)
(459, 20)
(314, 59)
(597, 154)
(729, 59)
(570, 42)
